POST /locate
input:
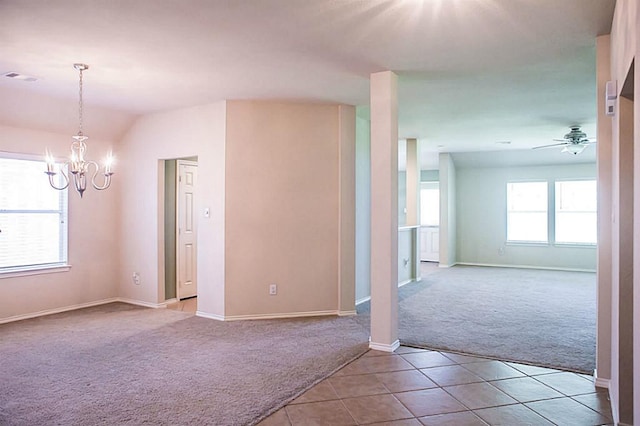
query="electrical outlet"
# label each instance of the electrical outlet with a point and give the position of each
(136, 278)
(273, 289)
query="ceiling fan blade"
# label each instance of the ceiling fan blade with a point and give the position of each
(551, 146)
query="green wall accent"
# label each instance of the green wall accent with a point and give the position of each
(481, 219)
(429, 175)
(405, 252)
(363, 209)
(170, 229)
(402, 198)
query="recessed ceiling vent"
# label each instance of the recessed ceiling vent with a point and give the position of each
(18, 76)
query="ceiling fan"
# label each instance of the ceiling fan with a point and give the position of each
(573, 142)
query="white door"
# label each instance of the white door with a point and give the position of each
(429, 243)
(430, 221)
(187, 230)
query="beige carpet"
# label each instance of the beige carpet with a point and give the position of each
(538, 317)
(121, 364)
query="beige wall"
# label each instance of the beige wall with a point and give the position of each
(625, 324)
(282, 208)
(604, 164)
(197, 131)
(93, 225)
(623, 38)
(298, 168)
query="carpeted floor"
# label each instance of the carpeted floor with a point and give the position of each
(540, 317)
(121, 364)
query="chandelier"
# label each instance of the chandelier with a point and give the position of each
(77, 166)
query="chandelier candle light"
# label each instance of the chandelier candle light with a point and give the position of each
(78, 166)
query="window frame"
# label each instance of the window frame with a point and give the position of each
(551, 214)
(63, 229)
(507, 211)
(555, 211)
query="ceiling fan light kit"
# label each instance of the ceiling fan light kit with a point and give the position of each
(573, 142)
(574, 149)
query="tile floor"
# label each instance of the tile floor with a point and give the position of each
(420, 387)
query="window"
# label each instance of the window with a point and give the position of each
(33, 217)
(576, 212)
(527, 212)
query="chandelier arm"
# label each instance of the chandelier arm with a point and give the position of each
(51, 174)
(106, 174)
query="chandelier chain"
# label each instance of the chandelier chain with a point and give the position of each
(80, 103)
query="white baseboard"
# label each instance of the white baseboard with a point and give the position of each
(440, 265)
(280, 315)
(599, 381)
(58, 310)
(384, 347)
(547, 268)
(347, 313)
(164, 305)
(209, 316)
(606, 384)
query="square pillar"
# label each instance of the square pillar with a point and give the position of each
(384, 211)
(413, 202)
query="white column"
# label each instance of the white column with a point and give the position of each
(413, 201)
(448, 229)
(413, 182)
(384, 211)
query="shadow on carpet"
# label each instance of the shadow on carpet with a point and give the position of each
(122, 364)
(539, 317)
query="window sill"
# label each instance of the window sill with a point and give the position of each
(576, 245)
(23, 272)
(527, 243)
(541, 244)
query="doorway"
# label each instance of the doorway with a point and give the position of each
(181, 228)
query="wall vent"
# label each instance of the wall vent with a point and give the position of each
(18, 76)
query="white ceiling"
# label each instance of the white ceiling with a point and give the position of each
(471, 72)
